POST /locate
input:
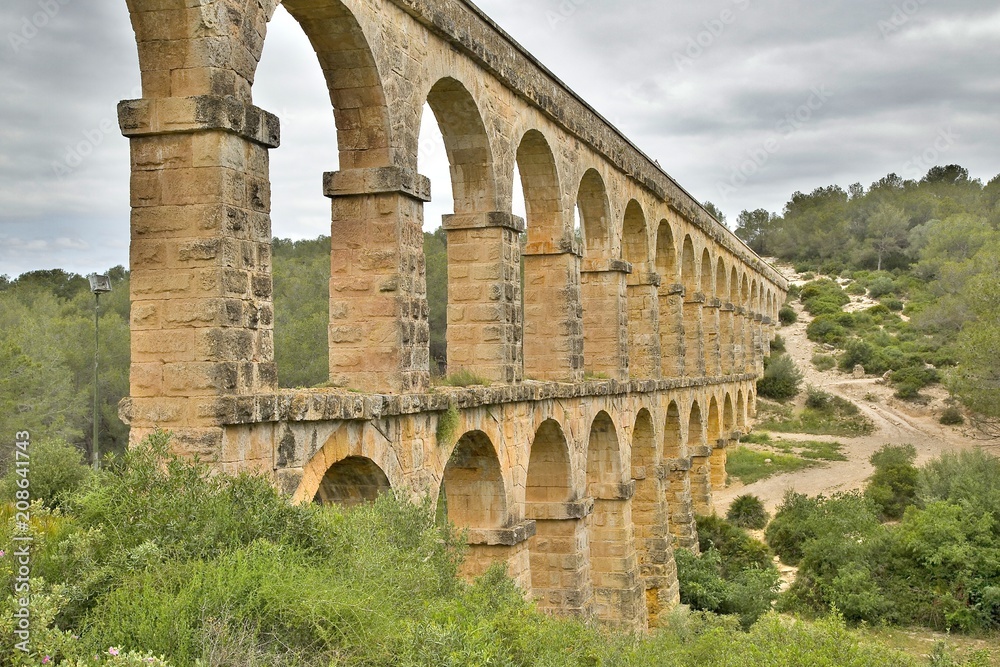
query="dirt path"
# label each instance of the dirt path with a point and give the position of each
(896, 421)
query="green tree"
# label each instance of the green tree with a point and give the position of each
(754, 228)
(887, 230)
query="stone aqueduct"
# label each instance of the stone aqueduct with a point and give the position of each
(615, 387)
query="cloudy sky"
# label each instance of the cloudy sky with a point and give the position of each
(742, 101)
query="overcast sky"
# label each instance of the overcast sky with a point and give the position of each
(742, 101)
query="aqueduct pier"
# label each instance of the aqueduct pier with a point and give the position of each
(619, 368)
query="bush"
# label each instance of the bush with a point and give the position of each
(747, 594)
(787, 315)
(952, 416)
(747, 511)
(881, 286)
(825, 329)
(817, 399)
(895, 305)
(824, 362)
(778, 344)
(856, 289)
(781, 379)
(893, 486)
(57, 470)
(911, 379)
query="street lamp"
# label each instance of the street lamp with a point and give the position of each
(98, 285)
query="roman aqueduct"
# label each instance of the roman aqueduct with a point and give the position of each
(620, 368)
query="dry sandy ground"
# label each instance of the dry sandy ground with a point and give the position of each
(896, 421)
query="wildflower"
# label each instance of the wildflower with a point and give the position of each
(112, 651)
(46, 660)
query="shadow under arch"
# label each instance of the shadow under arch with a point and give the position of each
(352, 481)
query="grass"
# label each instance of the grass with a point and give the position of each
(921, 643)
(463, 378)
(752, 465)
(841, 418)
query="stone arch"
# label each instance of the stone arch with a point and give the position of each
(755, 297)
(549, 475)
(721, 289)
(706, 274)
(666, 254)
(604, 463)
(595, 211)
(728, 416)
(673, 436)
(635, 241)
(467, 144)
(734, 286)
(745, 292)
(717, 441)
(352, 481)
(472, 487)
(689, 272)
(714, 424)
(696, 427)
(741, 411)
(542, 191)
(701, 468)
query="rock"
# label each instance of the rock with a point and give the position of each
(859, 371)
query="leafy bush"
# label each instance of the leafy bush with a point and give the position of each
(57, 470)
(824, 362)
(826, 329)
(856, 289)
(952, 416)
(778, 344)
(817, 399)
(881, 286)
(911, 379)
(893, 486)
(895, 305)
(787, 315)
(781, 379)
(747, 511)
(748, 593)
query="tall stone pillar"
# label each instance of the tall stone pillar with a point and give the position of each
(717, 462)
(713, 346)
(694, 356)
(701, 480)
(500, 545)
(553, 313)
(484, 295)
(759, 351)
(605, 317)
(672, 330)
(682, 524)
(650, 515)
(202, 317)
(379, 330)
(644, 324)
(560, 557)
(619, 596)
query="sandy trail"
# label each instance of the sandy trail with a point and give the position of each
(897, 422)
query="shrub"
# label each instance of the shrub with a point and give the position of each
(57, 470)
(952, 416)
(825, 329)
(747, 594)
(778, 344)
(747, 511)
(893, 486)
(787, 315)
(824, 362)
(895, 305)
(881, 286)
(856, 289)
(817, 399)
(781, 379)
(911, 379)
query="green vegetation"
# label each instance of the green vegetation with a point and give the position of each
(824, 415)
(928, 249)
(463, 378)
(157, 561)
(781, 379)
(768, 457)
(787, 315)
(301, 274)
(747, 511)
(824, 362)
(952, 416)
(935, 567)
(733, 574)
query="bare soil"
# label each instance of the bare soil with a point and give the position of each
(896, 421)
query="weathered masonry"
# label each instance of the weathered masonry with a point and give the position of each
(620, 367)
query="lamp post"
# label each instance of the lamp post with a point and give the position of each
(98, 285)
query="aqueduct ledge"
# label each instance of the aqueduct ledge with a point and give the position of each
(619, 368)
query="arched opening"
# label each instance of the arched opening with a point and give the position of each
(635, 244)
(701, 471)
(353, 481)
(672, 436)
(710, 317)
(714, 425)
(722, 290)
(613, 561)
(741, 412)
(472, 489)
(728, 417)
(706, 274)
(643, 302)
(671, 304)
(300, 213)
(694, 358)
(649, 512)
(601, 288)
(560, 569)
(696, 428)
(548, 270)
(717, 441)
(595, 216)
